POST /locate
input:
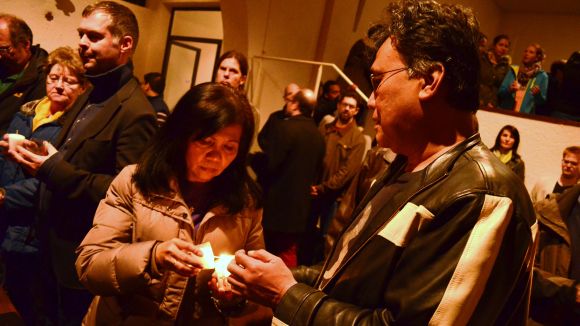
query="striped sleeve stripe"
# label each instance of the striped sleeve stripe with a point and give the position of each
(475, 264)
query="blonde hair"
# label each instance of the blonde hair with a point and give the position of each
(69, 58)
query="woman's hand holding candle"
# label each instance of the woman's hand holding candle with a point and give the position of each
(179, 256)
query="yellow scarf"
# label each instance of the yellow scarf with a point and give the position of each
(42, 114)
(505, 158)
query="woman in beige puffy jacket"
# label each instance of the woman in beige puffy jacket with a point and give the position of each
(141, 258)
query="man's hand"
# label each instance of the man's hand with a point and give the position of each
(30, 161)
(315, 191)
(535, 90)
(260, 277)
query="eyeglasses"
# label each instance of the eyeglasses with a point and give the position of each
(5, 49)
(377, 80)
(66, 81)
(347, 106)
(568, 162)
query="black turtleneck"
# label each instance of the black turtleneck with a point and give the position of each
(108, 83)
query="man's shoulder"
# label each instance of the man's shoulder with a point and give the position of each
(471, 167)
(472, 171)
(354, 134)
(497, 177)
(39, 55)
(133, 100)
(158, 104)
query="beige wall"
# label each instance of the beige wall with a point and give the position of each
(61, 30)
(293, 29)
(559, 35)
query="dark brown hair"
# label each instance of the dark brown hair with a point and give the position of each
(124, 22)
(69, 58)
(201, 112)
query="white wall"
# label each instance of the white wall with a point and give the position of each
(541, 143)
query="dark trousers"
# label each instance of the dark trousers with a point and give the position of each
(25, 285)
(58, 304)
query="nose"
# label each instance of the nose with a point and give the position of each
(371, 104)
(372, 101)
(214, 155)
(83, 42)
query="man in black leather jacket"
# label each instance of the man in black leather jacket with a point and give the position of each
(446, 235)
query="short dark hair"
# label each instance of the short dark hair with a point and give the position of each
(426, 33)
(69, 58)
(18, 29)
(351, 94)
(202, 111)
(515, 133)
(326, 86)
(124, 22)
(501, 37)
(575, 150)
(240, 58)
(155, 81)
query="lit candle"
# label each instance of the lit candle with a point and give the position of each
(208, 259)
(221, 265)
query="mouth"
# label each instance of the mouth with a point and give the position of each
(209, 169)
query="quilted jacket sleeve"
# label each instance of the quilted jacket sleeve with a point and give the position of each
(108, 263)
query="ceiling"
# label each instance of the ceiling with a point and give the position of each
(566, 7)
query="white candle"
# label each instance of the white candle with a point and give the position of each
(15, 140)
(208, 258)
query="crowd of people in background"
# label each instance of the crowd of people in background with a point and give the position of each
(525, 86)
(107, 196)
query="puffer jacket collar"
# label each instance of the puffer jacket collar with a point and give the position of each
(173, 205)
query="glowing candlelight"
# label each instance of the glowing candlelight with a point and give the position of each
(221, 265)
(208, 259)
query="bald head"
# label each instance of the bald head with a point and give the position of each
(290, 90)
(306, 100)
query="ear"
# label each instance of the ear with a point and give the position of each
(126, 44)
(27, 45)
(432, 82)
(243, 80)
